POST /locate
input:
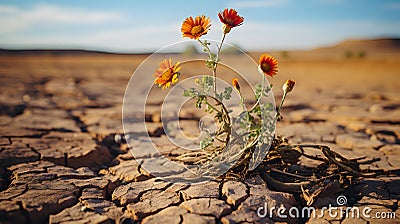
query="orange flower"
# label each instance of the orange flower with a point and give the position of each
(195, 28)
(288, 86)
(235, 84)
(230, 19)
(166, 74)
(268, 65)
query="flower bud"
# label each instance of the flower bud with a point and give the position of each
(235, 84)
(288, 86)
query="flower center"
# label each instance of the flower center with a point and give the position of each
(229, 21)
(265, 67)
(196, 30)
(167, 74)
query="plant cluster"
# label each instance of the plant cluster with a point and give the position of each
(236, 139)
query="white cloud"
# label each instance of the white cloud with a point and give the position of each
(14, 19)
(64, 27)
(8, 9)
(135, 38)
(258, 4)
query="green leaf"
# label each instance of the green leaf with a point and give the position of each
(267, 90)
(205, 142)
(227, 93)
(199, 101)
(206, 83)
(186, 93)
(260, 91)
(190, 92)
(219, 96)
(257, 90)
(212, 61)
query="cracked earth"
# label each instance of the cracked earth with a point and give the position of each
(62, 159)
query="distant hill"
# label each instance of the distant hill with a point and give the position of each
(47, 52)
(383, 48)
(384, 44)
(59, 52)
(347, 48)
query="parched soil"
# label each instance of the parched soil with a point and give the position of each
(62, 159)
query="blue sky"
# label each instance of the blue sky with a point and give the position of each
(142, 26)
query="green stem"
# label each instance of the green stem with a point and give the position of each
(214, 71)
(220, 46)
(278, 114)
(226, 112)
(210, 57)
(225, 117)
(242, 101)
(213, 107)
(214, 68)
(262, 93)
(216, 63)
(206, 47)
